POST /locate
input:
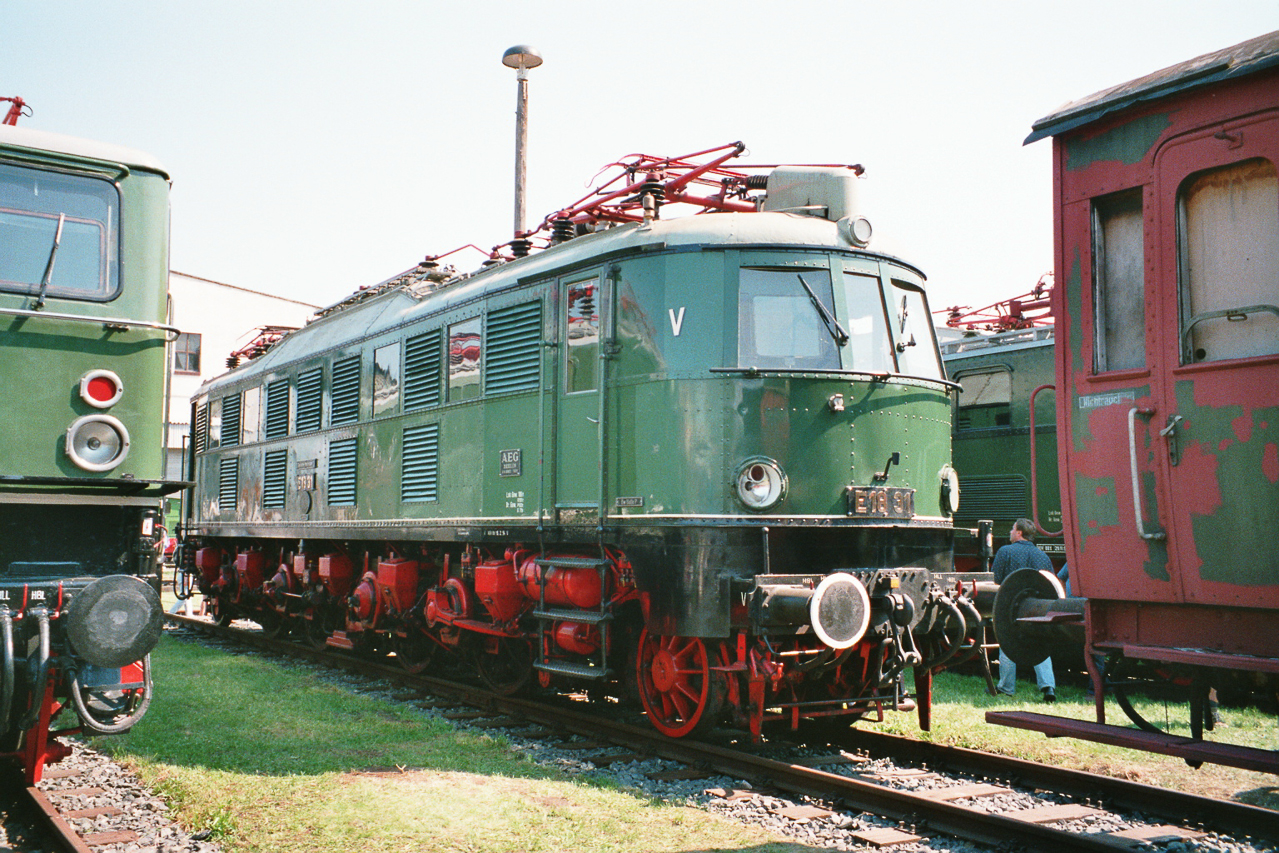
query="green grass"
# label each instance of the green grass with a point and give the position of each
(268, 757)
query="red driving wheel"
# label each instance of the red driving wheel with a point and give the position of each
(680, 691)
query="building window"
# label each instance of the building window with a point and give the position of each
(186, 353)
(1229, 242)
(1119, 283)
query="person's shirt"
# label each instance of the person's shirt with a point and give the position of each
(1021, 554)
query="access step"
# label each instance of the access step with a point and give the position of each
(586, 617)
(574, 670)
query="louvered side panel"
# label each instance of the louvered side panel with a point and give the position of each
(993, 497)
(201, 428)
(422, 371)
(310, 396)
(228, 484)
(346, 391)
(342, 458)
(277, 409)
(274, 476)
(231, 420)
(513, 339)
(420, 477)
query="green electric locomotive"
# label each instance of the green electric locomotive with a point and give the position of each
(702, 459)
(83, 340)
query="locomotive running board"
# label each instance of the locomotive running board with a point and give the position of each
(1193, 751)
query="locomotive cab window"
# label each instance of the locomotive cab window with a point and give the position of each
(1119, 284)
(780, 326)
(60, 234)
(912, 329)
(985, 399)
(868, 332)
(1228, 220)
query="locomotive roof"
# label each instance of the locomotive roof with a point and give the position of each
(411, 295)
(1246, 58)
(41, 140)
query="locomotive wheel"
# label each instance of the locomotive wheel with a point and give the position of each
(679, 690)
(220, 610)
(508, 670)
(413, 652)
(273, 624)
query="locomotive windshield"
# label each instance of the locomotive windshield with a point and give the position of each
(60, 234)
(789, 320)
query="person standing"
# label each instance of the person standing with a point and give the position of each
(1021, 552)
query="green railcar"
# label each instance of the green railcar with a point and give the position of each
(707, 458)
(83, 340)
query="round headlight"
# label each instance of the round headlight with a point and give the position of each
(949, 489)
(101, 388)
(97, 442)
(857, 229)
(760, 483)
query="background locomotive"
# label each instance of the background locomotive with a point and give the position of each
(1167, 326)
(703, 459)
(1002, 358)
(83, 332)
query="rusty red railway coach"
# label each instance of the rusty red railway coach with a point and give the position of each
(1166, 216)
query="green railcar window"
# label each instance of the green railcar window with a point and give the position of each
(869, 347)
(581, 335)
(514, 337)
(60, 234)
(422, 371)
(386, 379)
(466, 356)
(911, 326)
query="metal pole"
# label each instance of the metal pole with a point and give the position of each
(521, 57)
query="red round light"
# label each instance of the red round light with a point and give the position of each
(101, 389)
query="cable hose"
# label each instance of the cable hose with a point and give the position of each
(95, 726)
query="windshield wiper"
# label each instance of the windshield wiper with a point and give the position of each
(53, 253)
(828, 319)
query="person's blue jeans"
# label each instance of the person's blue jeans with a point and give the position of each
(1008, 674)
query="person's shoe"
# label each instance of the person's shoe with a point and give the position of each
(1050, 695)
(1005, 693)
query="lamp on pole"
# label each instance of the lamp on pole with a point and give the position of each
(522, 57)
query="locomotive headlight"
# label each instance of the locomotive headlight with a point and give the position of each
(761, 483)
(101, 388)
(97, 442)
(856, 230)
(949, 489)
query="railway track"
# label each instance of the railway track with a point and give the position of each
(991, 800)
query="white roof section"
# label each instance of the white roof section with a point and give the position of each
(42, 140)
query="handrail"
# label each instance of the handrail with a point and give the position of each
(1034, 468)
(1228, 313)
(1136, 482)
(105, 321)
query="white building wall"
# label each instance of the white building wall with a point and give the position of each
(227, 318)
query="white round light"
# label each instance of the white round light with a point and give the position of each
(97, 442)
(858, 230)
(949, 489)
(760, 483)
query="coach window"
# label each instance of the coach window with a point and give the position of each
(386, 379)
(1229, 244)
(465, 355)
(1119, 283)
(582, 336)
(186, 353)
(985, 398)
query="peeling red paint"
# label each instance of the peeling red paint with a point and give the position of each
(1270, 462)
(1243, 427)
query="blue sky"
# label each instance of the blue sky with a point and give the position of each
(319, 147)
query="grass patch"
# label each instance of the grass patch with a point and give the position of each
(268, 757)
(960, 703)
